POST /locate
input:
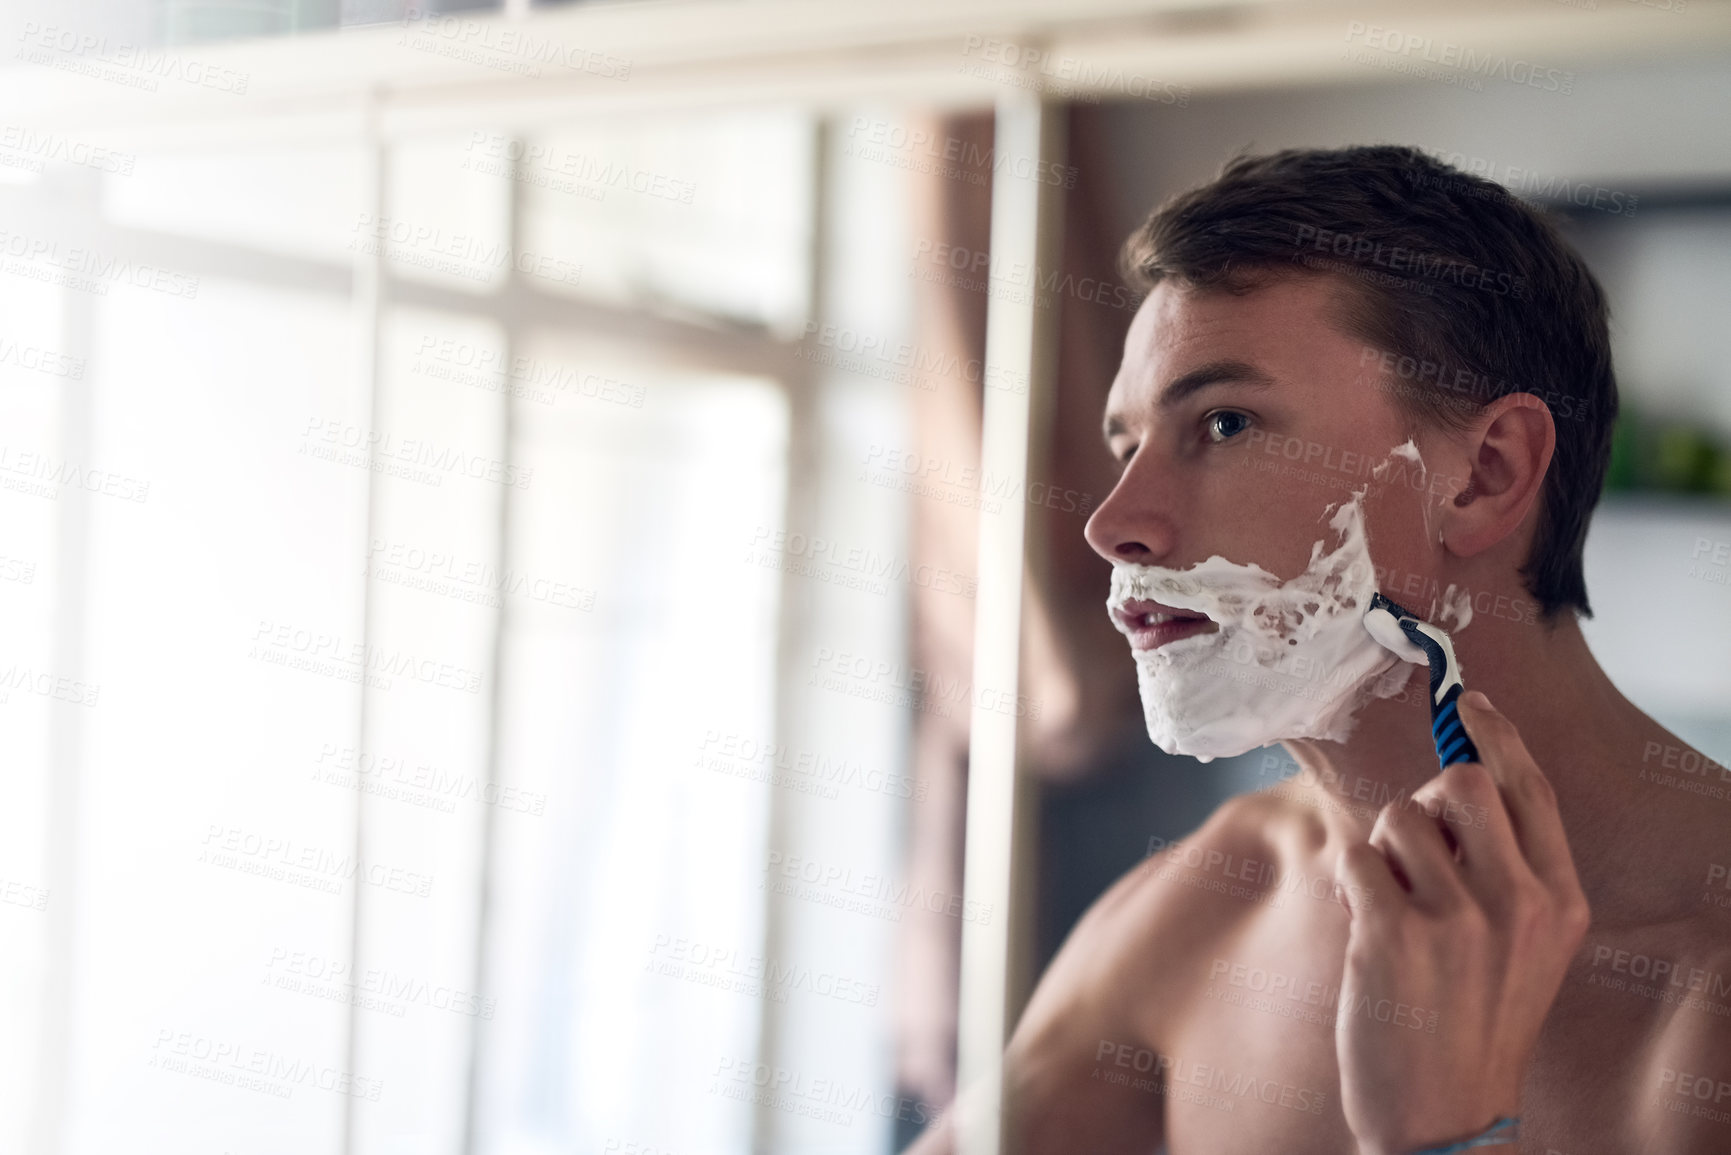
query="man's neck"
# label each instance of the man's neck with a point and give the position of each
(1581, 731)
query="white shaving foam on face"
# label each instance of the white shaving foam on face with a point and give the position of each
(1409, 450)
(1289, 660)
(1455, 611)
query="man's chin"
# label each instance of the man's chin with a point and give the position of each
(1201, 744)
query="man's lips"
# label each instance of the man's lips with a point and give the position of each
(1151, 624)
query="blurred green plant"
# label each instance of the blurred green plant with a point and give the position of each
(1667, 457)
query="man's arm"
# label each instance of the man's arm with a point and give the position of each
(1054, 1106)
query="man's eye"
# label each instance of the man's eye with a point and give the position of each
(1224, 424)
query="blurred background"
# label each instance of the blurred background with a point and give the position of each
(492, 500)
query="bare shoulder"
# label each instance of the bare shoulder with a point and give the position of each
(1123, 963)
(1119, 976)
(1679, 1093)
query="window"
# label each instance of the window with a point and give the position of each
(406, 702)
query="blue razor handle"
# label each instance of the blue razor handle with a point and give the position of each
(1448, 733)
(1447, 730)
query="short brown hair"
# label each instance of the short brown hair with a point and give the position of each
(1445, 271)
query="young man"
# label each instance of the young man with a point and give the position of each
(1372, 956)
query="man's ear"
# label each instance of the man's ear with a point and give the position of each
(1510, 448)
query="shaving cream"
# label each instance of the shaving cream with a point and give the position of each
(1455, 611)
(1290, 659)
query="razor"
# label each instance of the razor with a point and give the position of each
(1412, 638)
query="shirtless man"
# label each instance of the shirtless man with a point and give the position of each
(1370, 956)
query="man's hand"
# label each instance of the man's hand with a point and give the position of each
(1474, 912)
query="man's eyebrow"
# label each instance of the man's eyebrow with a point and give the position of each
(1223, 372)
(1213, 373)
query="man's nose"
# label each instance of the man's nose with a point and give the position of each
(1132, 524)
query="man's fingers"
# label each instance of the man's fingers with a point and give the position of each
(1465, 799)
(1411, 839)
(1499, 742)
(1366, 886)
(1526, 792)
